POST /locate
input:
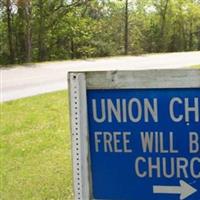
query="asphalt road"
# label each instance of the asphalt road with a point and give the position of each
(28, 80)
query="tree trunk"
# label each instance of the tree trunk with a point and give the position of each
(10, 33)
(72, 49)
(24, 38)
(198, 35)
(126, 29)
(28, 31)
(191, 37)
(163, 25)
(41, 32)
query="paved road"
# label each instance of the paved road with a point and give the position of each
(24, 81)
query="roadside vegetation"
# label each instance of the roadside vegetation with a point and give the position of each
(35, 152)
(196, 66)
(44, 30)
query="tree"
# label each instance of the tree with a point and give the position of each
(39, 30)
(126, 29)
(8, 5)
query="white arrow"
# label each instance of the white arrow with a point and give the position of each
(185, 190)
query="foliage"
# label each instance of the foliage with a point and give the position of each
(35, 151)
(40, 30)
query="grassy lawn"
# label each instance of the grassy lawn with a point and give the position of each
(35, 157)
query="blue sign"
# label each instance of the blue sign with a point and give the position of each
(144, 143)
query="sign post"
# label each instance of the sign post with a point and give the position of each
(136, 134)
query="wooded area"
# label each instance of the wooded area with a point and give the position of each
(41, 30)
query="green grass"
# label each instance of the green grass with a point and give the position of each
(35, 149)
